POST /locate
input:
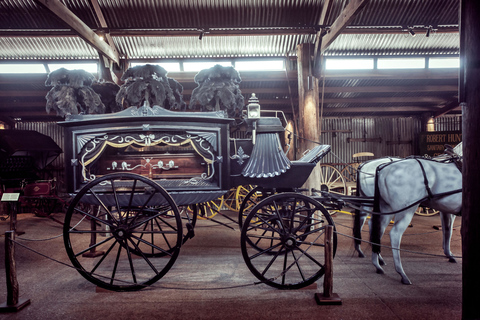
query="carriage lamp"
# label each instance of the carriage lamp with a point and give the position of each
(253, 108)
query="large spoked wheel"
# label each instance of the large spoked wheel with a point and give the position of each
(424, 211)
(256, 195)
(129, 238)
(332, 180)
(283, 240)
(210, 209)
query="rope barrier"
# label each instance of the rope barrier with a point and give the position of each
(216, 288)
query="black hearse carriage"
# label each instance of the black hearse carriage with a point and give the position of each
(136, 174)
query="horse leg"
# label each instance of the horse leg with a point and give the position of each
(358, 222)
(378, 224)
(402, 222)
(447, 228)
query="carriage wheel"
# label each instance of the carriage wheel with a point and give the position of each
(253, 197)
(240, 195)
(331, 180)
(211, 208)
(130, 239)
(424, 211)
(349, 173)
(283, 240)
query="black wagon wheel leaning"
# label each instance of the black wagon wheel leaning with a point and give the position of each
(132, 237)
(283, 240)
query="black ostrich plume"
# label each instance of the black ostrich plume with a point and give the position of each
(108, 92)
(218, 89)
(149, 82)
(72, 93)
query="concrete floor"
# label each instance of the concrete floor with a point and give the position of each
(202, 283)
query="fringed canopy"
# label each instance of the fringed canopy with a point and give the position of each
(267, 159)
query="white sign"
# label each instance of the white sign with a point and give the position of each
(10, 196)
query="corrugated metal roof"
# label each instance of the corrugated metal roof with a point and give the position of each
(149, 30)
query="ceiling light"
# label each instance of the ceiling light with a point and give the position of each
(410, 30)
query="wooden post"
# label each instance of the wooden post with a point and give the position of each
(308, 106)
(328, 297)
(470, 51)
(13, 303)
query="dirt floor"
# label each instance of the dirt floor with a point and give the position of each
(210, 279)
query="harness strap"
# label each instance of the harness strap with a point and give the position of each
(425, 179)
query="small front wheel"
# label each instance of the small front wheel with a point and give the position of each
(283, 240)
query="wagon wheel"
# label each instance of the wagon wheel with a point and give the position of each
(255, 195)
(229, 200)
(211, 208)
(349, 172)
(331, 180)
(424, 211)
(131, 211)
(283, 240)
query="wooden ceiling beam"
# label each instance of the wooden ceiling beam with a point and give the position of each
(341, 23)
(87, 34)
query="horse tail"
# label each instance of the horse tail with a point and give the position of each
(375, 228)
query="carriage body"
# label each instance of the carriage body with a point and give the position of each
(187, 153)
(190, 154)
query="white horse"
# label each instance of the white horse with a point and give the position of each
(401, 187)
(366, 188)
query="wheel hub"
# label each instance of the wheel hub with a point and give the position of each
(289, 241)
(121, 233)
(324, 187)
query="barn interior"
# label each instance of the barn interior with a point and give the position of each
(386, 81)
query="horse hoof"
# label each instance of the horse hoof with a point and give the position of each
(406, 281)
(380, 271)
(361, 255)
(452, 260)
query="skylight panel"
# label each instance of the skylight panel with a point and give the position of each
(89, 67)
(348, 64)
(169, 66)
(259, 65)
(22, 68)
(453, 62)
(401, 63)
(197, 66)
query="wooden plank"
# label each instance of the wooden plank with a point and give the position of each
(346, 16)
(87, 34)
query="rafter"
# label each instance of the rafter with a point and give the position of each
(87, 34)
